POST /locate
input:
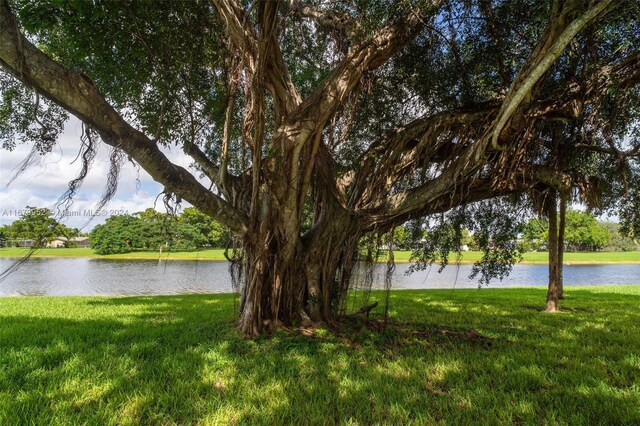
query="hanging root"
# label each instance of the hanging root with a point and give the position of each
(388, 276)
(235, 256)
(171, 208)
(361, 282)
(17, 264)
(40, 242)
(42, 145)
(116, 159)
(87, 154)
(365, 310)
(31, 159)
(364, 279)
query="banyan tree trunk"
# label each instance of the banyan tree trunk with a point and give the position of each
(290, 279)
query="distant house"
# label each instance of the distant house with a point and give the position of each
(61, 242)
(81, 242)
(21, 243)
(58, 242)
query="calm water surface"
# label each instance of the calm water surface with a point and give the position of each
(79, 277)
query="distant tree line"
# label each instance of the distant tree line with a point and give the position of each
(146, 230)
(36, 224)
(582, 233)
(192, 230)
(155, 231)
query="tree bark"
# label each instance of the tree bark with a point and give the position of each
(553, 292)
(288, 283)
(561, 227)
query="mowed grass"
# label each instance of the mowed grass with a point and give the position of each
(399, 256)
(451, 357)
(208, 254)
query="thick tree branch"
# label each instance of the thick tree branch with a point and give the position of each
(318, 108)
(327, 18)
(550, 47)
(78, 95)
(422, 201)
(634, 152)
(423, 141)
(569, 103)
(418, 145)
(208, 167)
(277, 77)
(239, 30)
(623, 74)
(230, 185)
(233, 80)
(419, 203)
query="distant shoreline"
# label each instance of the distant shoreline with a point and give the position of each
(532, 258)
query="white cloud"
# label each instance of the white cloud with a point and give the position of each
(43, 183)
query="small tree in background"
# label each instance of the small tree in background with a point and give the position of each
(39, 225)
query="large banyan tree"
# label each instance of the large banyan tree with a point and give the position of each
(313, 124)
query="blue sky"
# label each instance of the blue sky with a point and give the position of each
(42, 184)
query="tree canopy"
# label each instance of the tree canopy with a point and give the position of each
(37, 224)
(152, 230)
(582, 233)
(316, 123)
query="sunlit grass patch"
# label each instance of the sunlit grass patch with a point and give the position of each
(400, 256)
(464, 356)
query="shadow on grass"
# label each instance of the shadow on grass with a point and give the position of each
(177, 359)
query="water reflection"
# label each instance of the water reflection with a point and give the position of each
(82, 276)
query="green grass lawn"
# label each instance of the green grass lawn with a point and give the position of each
(209, 254)
(400, 256)
(178, 360)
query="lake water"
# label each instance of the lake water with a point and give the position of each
(84, 277)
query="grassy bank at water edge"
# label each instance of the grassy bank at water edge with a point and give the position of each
(457, 357)
(400, 256)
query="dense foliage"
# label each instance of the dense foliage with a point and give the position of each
(583, 233)
(151, 230)
(37, 224)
